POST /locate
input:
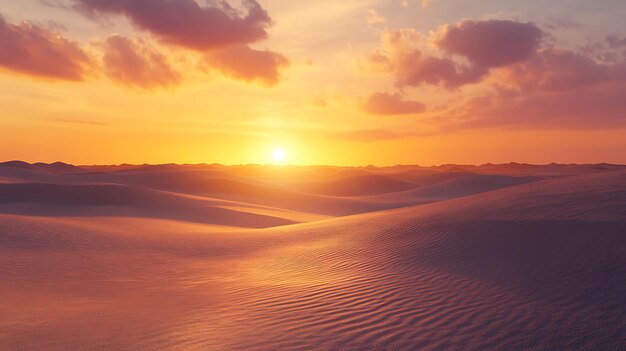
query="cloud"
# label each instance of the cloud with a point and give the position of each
(245, 63)
(374, 18)
(319, 101)
(416, 69)
(616, 42)
(368, 135)
(556, 88)
(134, 63)
(29, 49)
(611, 50)
(554, 70)
(425, 3)
(217, 30)
(80, 121)
(401, 55)
(491, 43)
(530, 85)
(562, 23)
(392, 104)
(593, 109)
(483, 44)
(188, 24)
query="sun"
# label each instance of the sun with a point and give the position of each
(279, 155)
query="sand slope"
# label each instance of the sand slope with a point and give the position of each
(361, 185)
(119, 200)
(336, 192)
(537, 266)
(451, 186)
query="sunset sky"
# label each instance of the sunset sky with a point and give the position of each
(351, 82)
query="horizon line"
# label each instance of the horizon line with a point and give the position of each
(315, 165)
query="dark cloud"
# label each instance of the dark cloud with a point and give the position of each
(134, 63)
(392, 104)
(416, 69)
(188, 24)
(491, 43)
(29, 49)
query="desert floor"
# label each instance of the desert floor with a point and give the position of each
(208, 257)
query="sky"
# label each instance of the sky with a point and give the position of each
(353, 82)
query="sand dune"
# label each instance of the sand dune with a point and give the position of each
(211, 184)
(341, 193)
(118, 200)
(17, 164)
(216, 184)
(536, 266)
(361, 185)
(457, 185)
(56, 167)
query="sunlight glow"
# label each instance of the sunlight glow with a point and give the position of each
(279, 155)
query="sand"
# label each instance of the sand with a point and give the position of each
(136, 259)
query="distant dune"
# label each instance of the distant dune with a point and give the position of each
(56, 167)
(360, 185)
(119, 200)
(239, 258)
(341, 192)
(462, 184)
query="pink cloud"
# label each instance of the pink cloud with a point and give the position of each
(242, 62)
(556, 88)
(136, 64)
(401, 54)
(218, 30)
(596, 108)
(492, 43)
(30, 49)
(562, 70)
(485, 45)
(188, 24)
(528, 86)
(392, 104)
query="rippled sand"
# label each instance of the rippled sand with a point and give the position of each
(535, 266)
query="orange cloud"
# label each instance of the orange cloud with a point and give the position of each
(135, 64)
(392, 104)
(367, 135)
(242, 62)
(35, 51)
